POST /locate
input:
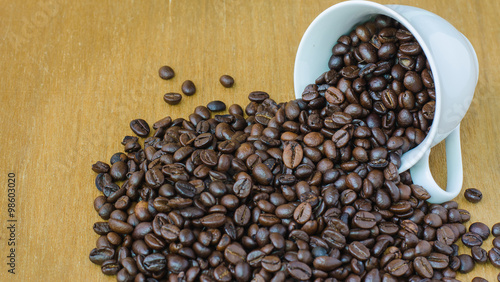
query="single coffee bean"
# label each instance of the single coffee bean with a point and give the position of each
(188, 88)
(226, 81)
(299, 270)
(302, 213)
(397, 267)
(216, 106)
(99, 256)
(172, 98)
(495, 230)
(480, 229)
(140, 127)
(292, 154)
(479, 254)
(234, 253)
(423, 267)
(496, 242)
(494, 256)
(472, 239)
(473, 195)
(166, 72)
(466, 263)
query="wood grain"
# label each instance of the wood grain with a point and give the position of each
(73, 75)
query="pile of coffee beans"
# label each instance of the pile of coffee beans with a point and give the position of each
(307, 190)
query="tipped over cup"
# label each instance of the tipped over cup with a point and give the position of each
(453, 63)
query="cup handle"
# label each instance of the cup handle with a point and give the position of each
(421, 173)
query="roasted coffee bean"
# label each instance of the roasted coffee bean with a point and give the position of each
(479, 254)
(466, 263)
(99, 256)
(299, 270)
(188, 88)
(172, 98)
(234, 253)
(166, 72)
(423, 267)
(140, 127)
(216, 106)
(473, 195)
(494, 256)
(397, 267)
(226, 81)
(480, 229)
(472, 239)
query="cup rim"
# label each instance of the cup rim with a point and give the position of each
(426, 144)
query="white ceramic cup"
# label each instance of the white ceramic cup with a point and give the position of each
(453, 63)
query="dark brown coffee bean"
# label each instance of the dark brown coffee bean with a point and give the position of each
(302, 213)
(466, 263)
(292, 154)
(213, 220)
(140, 127)
(299, 270)
(234, 253)
(364, 220)
(472, 239)
(258, 96)
(216, 106)
(166, 72)
(495, 230)
(226, 81)
(473, 195)
(172, 98)
(99, 256)
(480, 229)
(479, 254)
(494, 256)
(359, 251)
(397, 267)
(188, 88)
(423, 267)
(438, 261)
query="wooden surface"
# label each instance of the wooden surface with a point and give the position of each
(73, 74)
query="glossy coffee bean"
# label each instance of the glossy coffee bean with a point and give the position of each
(473, 195)
(166, 72)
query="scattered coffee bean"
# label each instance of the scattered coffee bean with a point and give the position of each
(172, 98)
(226, 81)
(166, 72)
(188, 88)
(480, 229)
(473, 195)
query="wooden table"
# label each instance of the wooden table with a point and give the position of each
(73, 75)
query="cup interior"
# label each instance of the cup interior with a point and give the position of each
(339, 20)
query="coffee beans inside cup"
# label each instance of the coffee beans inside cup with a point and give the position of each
(307, 190)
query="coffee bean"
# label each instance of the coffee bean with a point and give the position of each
(226, 81)
(479, 254)
(234, 253)
(302, 213)
(495, 230)
(481, 229)
(423, 267)
(472, 239)
(140, 127)
(397, 267)
(466, 263)
(364, 220)
(172, 98)
(99, 256)
(216, 106)
(359, 251)
(166, 72)
(473, 195)
(479, 279)
(292, 154)
(494, 256)
(299, 270)
(496, 243)
(188, 88)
